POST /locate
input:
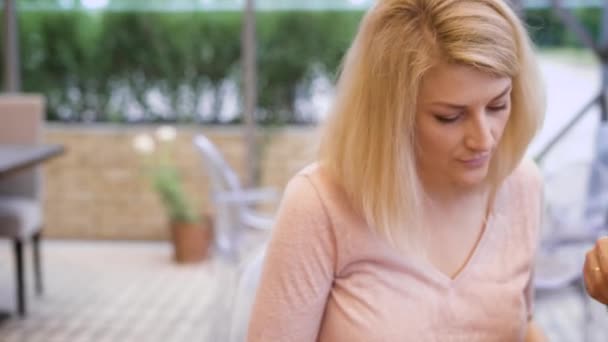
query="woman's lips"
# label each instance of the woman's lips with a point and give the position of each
(476, 162)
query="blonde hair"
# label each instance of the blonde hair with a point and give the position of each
(368, 141)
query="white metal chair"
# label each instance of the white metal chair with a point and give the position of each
(234, 214)
(232, 297)
(597, 209)
(248, 281)
(576, 214)
(565, 237)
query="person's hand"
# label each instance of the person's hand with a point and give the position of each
(595, 271)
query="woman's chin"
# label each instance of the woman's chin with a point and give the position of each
(472, 178)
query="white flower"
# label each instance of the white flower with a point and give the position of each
(166, 133)
(143, 143)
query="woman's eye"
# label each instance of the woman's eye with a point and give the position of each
(498, 108)
(447, 119)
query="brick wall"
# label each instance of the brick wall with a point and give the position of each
(96, 189)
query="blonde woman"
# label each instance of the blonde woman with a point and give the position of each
(420, 220)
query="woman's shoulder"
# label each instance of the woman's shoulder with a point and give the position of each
(313, 186)
(318, 177)
(307, 189)
(528, 175)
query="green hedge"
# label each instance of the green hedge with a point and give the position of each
(547, 30)
(92, 66)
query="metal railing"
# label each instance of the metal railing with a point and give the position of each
(600, 50)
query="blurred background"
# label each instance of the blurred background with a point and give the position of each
(175, 125)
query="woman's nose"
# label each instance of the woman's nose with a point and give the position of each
(479, 135)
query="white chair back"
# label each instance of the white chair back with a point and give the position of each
(222, 179)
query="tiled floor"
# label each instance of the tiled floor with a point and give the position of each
(114, 292)
(117, 291)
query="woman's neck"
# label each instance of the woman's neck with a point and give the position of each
(446, 196)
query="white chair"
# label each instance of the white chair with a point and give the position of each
(576, 214)
(564, 233)
(248, 281)
(597, 208)
(232, 296)
(234, 215)
(22, 118)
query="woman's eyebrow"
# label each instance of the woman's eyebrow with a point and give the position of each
(504, 92)
(458, 106)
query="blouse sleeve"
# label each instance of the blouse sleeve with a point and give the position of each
(298, 270)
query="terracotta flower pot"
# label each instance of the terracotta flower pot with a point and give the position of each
(191, 241)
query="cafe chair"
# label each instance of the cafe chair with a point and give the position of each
(235, 216)
(250, 272)
(21, 122)
(575, 216)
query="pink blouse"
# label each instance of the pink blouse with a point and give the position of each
(327, 277)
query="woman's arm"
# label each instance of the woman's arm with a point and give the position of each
(298, 270)
(534, 333)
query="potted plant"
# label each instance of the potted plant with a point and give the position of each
(191, 232)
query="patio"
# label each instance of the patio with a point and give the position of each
(115, 291)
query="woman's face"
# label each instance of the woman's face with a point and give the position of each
(460, 118)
